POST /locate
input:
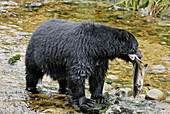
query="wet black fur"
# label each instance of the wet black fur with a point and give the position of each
(70, 52)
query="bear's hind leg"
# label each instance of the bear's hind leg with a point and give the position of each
(63, 87)
(32, 78)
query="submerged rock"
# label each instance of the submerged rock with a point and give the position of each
(155, 94)
(164, 23)
(112, 77)
(10, 3)
(35, 4)
(158, 69)
(125, 91)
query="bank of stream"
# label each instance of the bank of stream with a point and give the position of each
(18, 20)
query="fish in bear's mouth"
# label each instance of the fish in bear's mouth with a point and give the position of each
(138, 73)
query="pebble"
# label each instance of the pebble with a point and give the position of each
(158, 69)
(112, 77)
(10, 3)
(163, 43)
(155, 94)
(35, 4)
(125, 91)
(48, 111)
(164, 23)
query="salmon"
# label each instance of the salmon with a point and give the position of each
(138, 74)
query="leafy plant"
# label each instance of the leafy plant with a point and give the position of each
(109, 81)
(155, 7)
(14, 59)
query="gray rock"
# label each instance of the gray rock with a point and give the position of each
(158, 69)
(125, 91)
(35, 4)
(112, 77)
(10, 3)
(164, 23)
(155, 94)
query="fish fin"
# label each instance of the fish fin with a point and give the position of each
(145, 65)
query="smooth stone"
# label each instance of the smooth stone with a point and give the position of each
(163, 43)
(155, 94)
(126, 91)
(35, 4)
(158, 69)
(48, 111)
(10, 3)
(143, 3)
(164, 23)
(112, 77)
(51, 10)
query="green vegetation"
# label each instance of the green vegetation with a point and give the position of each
(14, 59)
(153, 7)
(108, 81)
(157, 6)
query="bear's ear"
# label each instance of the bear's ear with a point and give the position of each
(124, 35)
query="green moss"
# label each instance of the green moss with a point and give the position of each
(14, 59)
(119, 98)
(116, 101)
(109, 81)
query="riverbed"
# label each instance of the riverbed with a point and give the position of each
(18, 20)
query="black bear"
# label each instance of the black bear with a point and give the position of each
(71, 52)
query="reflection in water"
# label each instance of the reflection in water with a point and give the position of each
(18, 19)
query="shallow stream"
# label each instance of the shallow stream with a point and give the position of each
(18, 20)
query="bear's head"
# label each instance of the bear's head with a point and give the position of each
(128, 45)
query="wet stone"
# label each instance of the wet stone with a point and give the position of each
(158, 69)
(125, 91)
(163, 43)
(10, 3)
(35, 4)
(51, 10)
(48, 14)
(164, 23)
(155, 94)
(112, 77)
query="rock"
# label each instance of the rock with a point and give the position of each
(163, 43)
(48, 111)
(10, 3)
(164, 23)
(158, 69)
(112, 77)
(168, 99)
(125, 91)
(155, 94)
(142, 96)
(81, 2)
(143, 3)
(35, 4)
(48, 14)
(144, 11)
(51, 10)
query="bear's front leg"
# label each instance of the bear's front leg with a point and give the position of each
(96, 89)
(96, 82)
(77, 88)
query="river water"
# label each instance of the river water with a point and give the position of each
(18, 20)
